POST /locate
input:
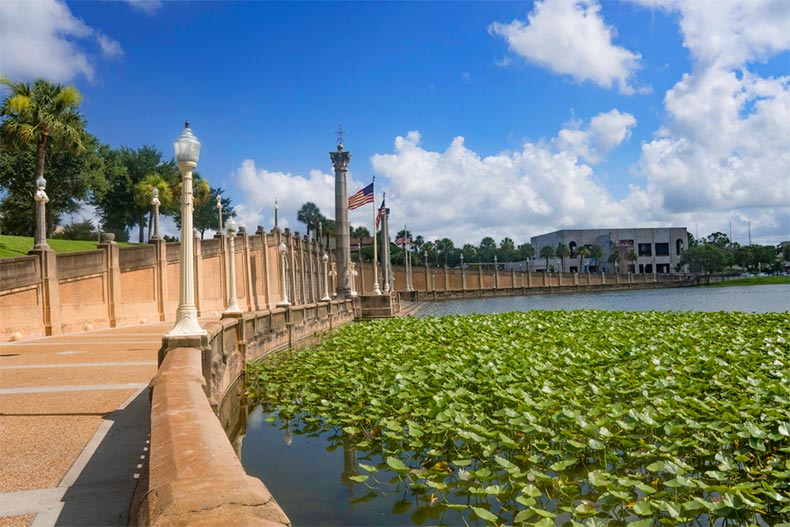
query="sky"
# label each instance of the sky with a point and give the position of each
(476, 118)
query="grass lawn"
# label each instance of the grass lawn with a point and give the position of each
(11, 246)
(754, 280)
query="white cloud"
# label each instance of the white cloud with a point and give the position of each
(40, 39)
(605, 131)
(464, 196)
(147, 6)
(723, 148)
(260, 187)
(569, 37)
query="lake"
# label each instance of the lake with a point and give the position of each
(308, 473)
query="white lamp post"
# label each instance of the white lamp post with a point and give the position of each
(283, 252)
(219, 212)
(233, 304)
(155, 202)
(187, 149)
(352, 274)
(333, 274)
(463, 276)
(326, 297)
(41, 223)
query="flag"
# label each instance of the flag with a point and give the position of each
(362, 197)
(382, 212)
(402, 240)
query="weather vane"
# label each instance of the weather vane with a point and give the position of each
(340, 133)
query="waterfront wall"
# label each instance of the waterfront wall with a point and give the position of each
(195, 477)
(47, 293)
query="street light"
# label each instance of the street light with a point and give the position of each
(233, 304)
(187, 149)
(41, 200)
(283, 251)
(326, 297)
(219, 211)
(155, 202)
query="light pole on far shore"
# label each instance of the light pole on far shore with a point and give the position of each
(187, 149)
(233, 309)
(326, 297)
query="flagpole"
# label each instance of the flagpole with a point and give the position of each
(376, 290)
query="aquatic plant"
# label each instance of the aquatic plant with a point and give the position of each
(544, 418)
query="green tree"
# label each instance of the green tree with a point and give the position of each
(328, 227)
(742, 257)
(487, 249)
(719, 239)
(83, 230)
(144, 193)
(614, 260)
(526, 251)
(763, 257)
(706, 258)
(470, 253)
(443, 248)
(583, 252)
(547, 252)
(507, 249)
(786, 252)
(418, 242)
(597, 252)
(310, 215)
(206, 216)
(562, 251)
(41, 118)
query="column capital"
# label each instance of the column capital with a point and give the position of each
(340, 159)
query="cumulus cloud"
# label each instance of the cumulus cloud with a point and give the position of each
(260, 187)
(593, 142)
(723, 146)
(465, 196)
(41, 39)
(147, 6)
(569, 37)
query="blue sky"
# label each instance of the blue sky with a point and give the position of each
(477, 118)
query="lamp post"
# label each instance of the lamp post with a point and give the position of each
(333, 274)
(283, 260)
(496, 273)
(233, 309)
(187, 149)
(463, 275)
(326, 297)
(155, 202)
(219, 213)
(41, 221)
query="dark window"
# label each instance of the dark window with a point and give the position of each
(678, 246)
(662, 249)
(645, 249)
(572, 247)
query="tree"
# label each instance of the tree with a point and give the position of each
(563, 251)
(310, 215)
(706, 258)
(470, 252)
(786, 252)
(719, 239)
(596, 252)
(201, 196)
(487, 249)
(763, 257)
(418, 242)
(205, 215)
(632, 257)
(526, 251)
(328, 227)
(507, 248)
(144, 193)
(83, 230)
(742, 257)
(443, 248)
(41, 118)
(547, 252)
(78, 178)
(360, 232)
(583, 252)
(614, 259)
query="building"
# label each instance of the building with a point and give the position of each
(638, 251)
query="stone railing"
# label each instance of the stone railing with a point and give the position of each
(195, 477)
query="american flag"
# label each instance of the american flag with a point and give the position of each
(362, 197)
(382, 212)
(402, 240)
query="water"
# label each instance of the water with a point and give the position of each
(308, 473)
(750, 299)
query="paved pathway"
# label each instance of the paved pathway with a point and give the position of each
(74, 425)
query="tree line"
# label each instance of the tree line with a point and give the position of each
(43, 134)
(717, 253)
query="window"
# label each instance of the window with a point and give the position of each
(678, 246)
(645, 249)
(662, 249)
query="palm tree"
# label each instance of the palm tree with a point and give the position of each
(632, 257)
(310, 215)
(526, 250)
(328, 227)
(562, 252)
(144, 193)
(583, 252)
(547, 252)
(614, 259)
(444, 246)
(40, 115)
(506, 249)
(597, 253)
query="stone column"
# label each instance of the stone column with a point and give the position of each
(446, 279)
(427, 283)
(197, 273)
(340, 160)
(50, 292)
(113, 260)
(385, 251)
(246, 267)
(480, 285)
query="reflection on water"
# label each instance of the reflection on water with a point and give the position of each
(749, 299)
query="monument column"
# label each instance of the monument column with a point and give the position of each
(340, 160)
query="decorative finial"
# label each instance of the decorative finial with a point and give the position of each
(340, 133)
(186, 124)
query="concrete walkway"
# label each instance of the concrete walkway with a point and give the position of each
(74, 425)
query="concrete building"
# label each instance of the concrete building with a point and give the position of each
(640, 251)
